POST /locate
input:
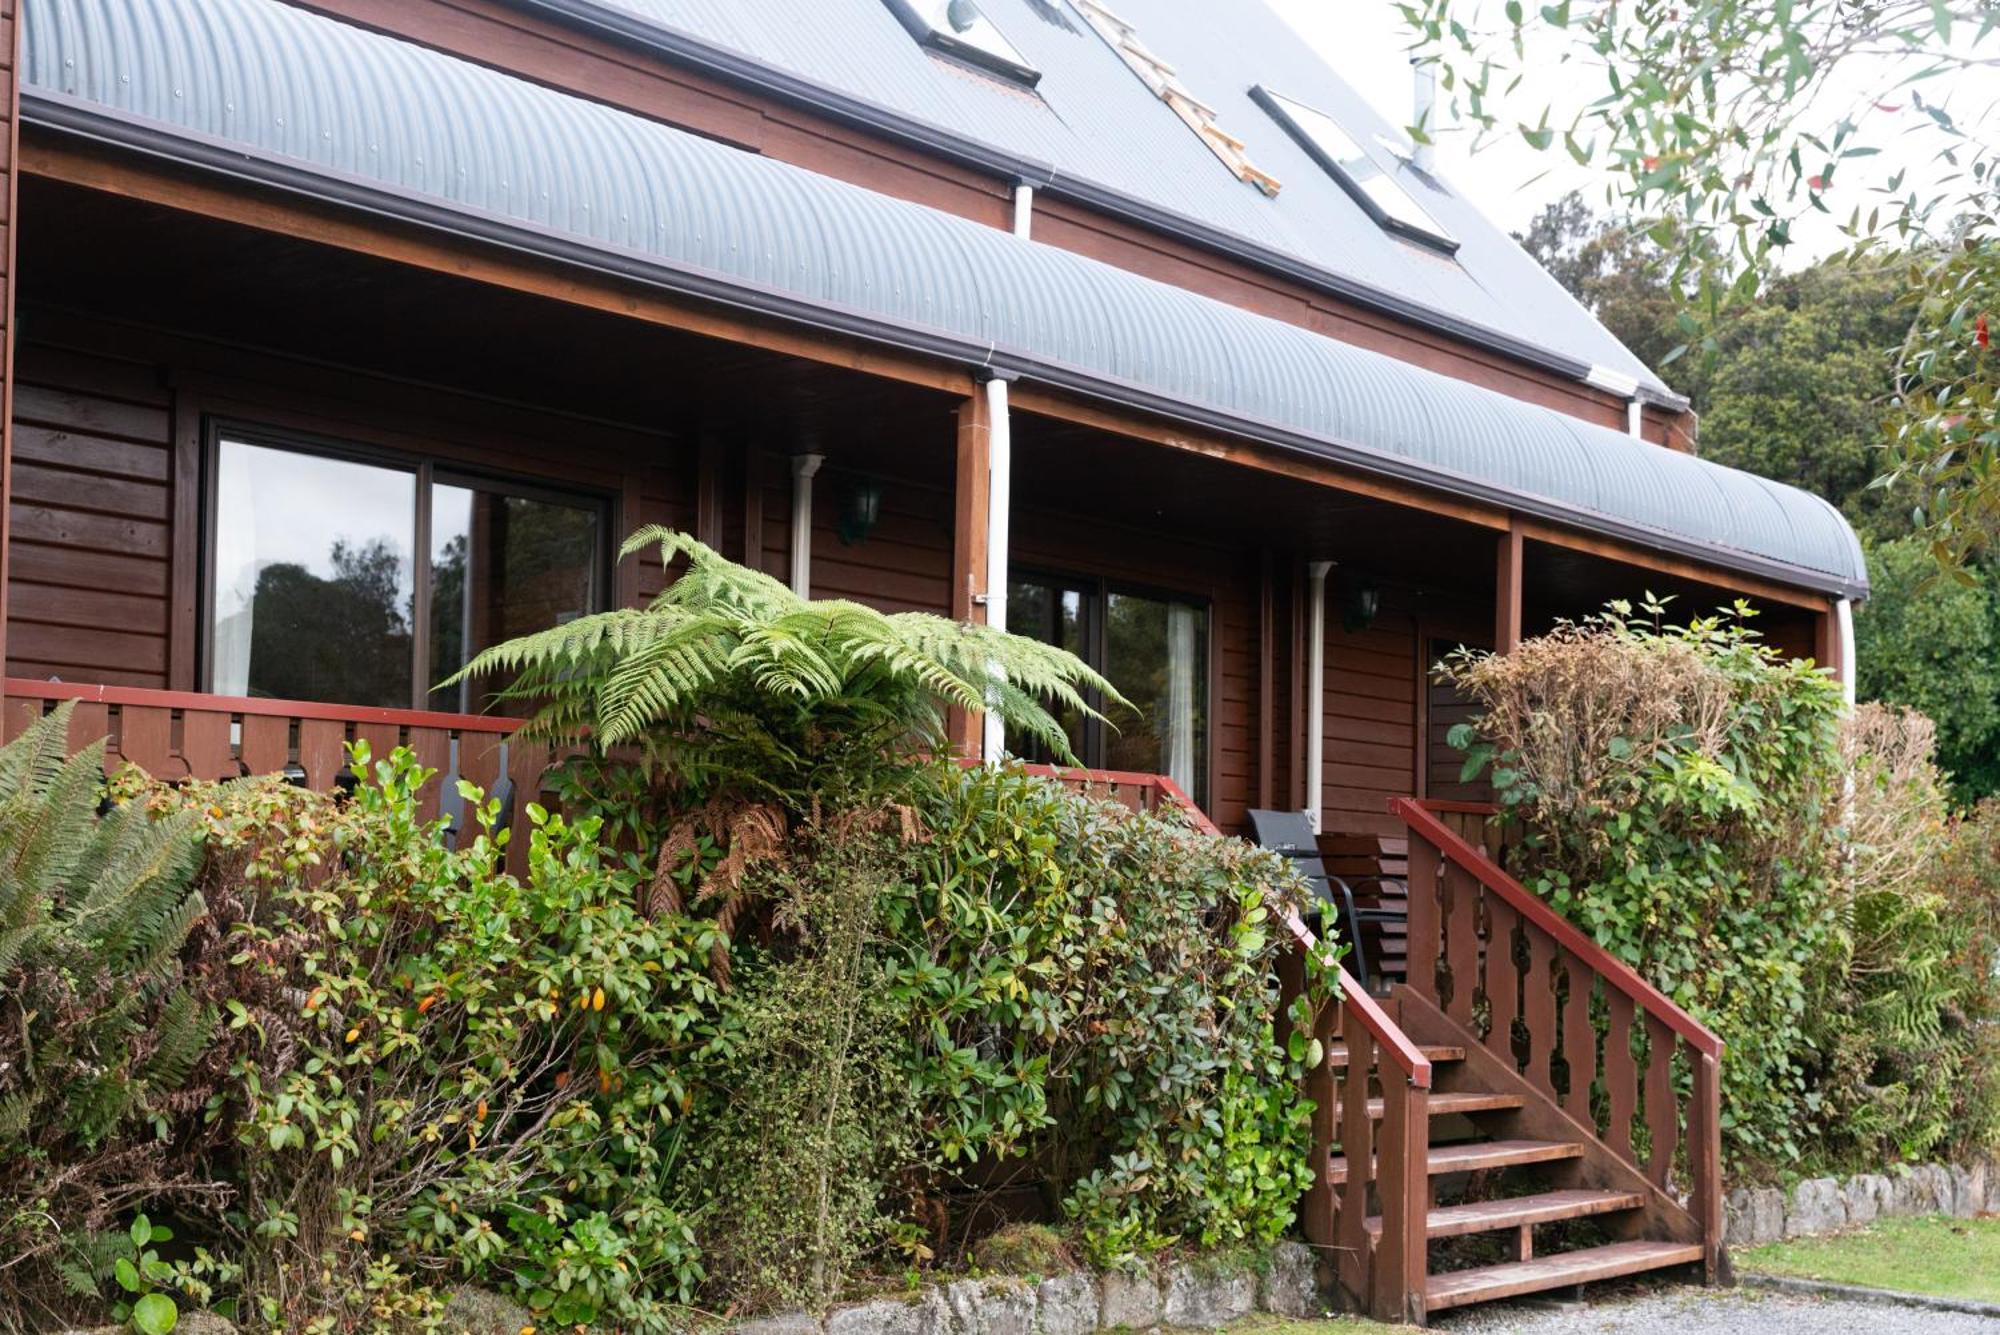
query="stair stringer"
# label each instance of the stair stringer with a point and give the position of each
(1541, 1118)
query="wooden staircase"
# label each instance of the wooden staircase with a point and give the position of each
(1556, 1182)
(1524, 1113)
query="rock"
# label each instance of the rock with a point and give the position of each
(208, 1323)
(989, 1307)
(1818, 1206)
(1968, 1189)
(1763, 1215)
(1129, 1298)
(925, 1315)
(1290, 1286)
(782, 1323)
(1867, 1198)
(475, 1311)
(1066, 1305)
(1933, 1188)
(1204, 1296)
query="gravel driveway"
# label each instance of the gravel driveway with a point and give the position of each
(1708, 1312)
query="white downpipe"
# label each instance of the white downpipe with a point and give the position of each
(999, 501)
(1843, 612)
(1316, 691)
(1024, 209)
(803, 468)
(1635, 417)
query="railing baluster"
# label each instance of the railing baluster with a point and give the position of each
(1503, 980)
(1462, 941)
(432, 749)
(1356, 1146)
(1621, 1074)
(1579, 1040)
(90, 723)
(322, 751)
(1318, 1208)
(267, 743)
(146, 739)
(1424, 920)
(382, 738)
(1541, 1012)
(1663, 1125)
(205, 743)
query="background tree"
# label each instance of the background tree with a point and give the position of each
(1730, 123)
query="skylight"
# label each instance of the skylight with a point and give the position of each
(1374, 189)
(957, 28)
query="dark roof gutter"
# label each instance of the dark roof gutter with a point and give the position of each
(91, 122)
(750, 72)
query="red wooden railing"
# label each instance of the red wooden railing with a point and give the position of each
(1510, 969)
(1365, 1056)
(187, 735)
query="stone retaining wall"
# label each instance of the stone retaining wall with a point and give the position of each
(1198, 1294)
(1826, 1205)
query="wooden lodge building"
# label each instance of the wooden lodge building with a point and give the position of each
(343, 338)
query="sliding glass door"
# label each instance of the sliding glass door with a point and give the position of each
(1153, 648)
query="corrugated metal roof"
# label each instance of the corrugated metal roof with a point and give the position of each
(1090, 120)
(266, 91)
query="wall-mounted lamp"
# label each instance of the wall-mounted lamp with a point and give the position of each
(1360, 600)
(860, 507)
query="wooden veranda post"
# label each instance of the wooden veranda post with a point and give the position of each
(10, 99)
(1507, 592)
(972, 504)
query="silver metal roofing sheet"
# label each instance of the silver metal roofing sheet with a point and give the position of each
(263, 90)
(1091, 119)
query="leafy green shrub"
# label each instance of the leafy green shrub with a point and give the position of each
(1093, 988)
(1676, 792)
(100, 1022)
(443, 1069)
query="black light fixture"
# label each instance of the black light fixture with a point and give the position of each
(1360, 600)
(860, 507)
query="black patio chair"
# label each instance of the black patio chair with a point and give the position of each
(1290, 833)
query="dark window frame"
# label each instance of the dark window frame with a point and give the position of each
(935, 39)
(1275, 105)
(427, 470)
(1097, 591)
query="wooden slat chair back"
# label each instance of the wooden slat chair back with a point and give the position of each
(1376, 868)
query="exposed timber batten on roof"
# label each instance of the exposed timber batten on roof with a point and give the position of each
(265, 92)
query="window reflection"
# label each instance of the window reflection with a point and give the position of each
(312, 585)
(501, 566)
(1153, 650)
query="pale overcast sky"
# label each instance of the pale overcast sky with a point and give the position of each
(1365, 42)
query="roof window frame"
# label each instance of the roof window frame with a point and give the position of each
(1014, 68)
(1278, 106)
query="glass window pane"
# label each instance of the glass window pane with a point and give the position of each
(1054, 615)
(312, 581)
(959, 27)
(1156, 655)
(501, 566)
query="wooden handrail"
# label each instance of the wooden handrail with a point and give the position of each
(1403, 1054)
(29, 688)
(1613, 970)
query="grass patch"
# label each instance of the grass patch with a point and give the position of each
(1948, 1258)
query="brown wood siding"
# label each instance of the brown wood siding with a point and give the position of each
(1443, 762)
(606, 71)
(1370, 753)
(105, 514)
(10, 151)
(88, 594)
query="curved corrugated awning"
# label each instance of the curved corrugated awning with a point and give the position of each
(265, 91)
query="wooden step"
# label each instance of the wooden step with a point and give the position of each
(1481, 1154)
(1459, 1287)
(1519, 1211)
(1444, 1105)
(1336, 1055)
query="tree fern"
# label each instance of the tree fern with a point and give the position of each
(94, 911)
(733, 680)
